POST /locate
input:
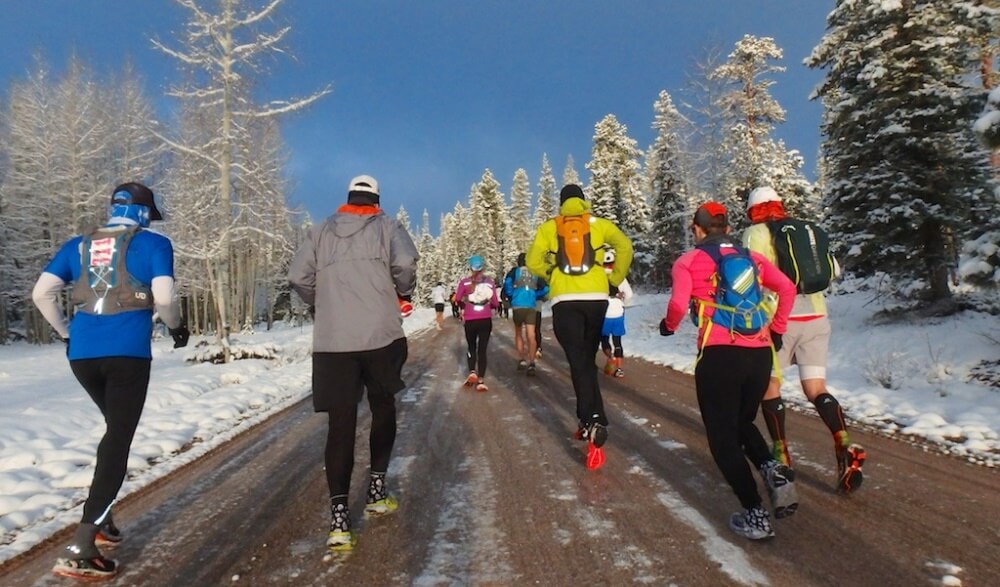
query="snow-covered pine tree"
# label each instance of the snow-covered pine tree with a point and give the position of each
(546, 205)
(667, 184)
(489, 223)
(753, 157)
(615, 190)
(570, 175)
(429, 263)
(404, 219)
(521, 229)
(904, 170)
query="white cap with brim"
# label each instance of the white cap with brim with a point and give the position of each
(363, 183)
(761, 195)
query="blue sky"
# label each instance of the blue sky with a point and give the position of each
(427, 95)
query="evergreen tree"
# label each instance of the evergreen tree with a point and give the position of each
(904, 171)
(429, 263)
(752, 156)
(489, 223)
(404, 219)
(546, 207)
(569, 173)
(668, 188)
(615, 189)
(521, 229)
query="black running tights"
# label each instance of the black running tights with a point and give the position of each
(730, 383)
(118, 386)
(343, 423)
(577, 326)
(477, 335)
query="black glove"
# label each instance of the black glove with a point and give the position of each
(66, 340)
(664, 331)
(181, 334)
(776, 341)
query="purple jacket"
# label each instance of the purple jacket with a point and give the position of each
(478, 294)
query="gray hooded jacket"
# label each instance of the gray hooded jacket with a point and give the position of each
(353, 268)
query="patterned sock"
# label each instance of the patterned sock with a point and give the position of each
(376, 487)
(340, 516)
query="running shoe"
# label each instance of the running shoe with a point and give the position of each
(531, 369)
(340, 540)
(849, 462)
(598, 434)
(108, 534)
(780, 482)
(595, 457)
(481, 386)
(472, 379)
(755, 524)
(582, 433)
(97, 567)
(381, 507)
(522, 365)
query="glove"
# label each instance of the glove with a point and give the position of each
(405, 307)
(181, 334)
(776, 341)
(664, 331)
(66, 340)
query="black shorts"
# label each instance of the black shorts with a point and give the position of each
(439, 308)
(339, 380)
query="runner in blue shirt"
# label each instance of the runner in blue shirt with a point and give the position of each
(120, 274)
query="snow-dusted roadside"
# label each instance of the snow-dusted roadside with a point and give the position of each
(902, 379)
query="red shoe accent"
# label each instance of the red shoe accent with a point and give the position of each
(595, 457)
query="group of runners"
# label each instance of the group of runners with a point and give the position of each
(121, 273)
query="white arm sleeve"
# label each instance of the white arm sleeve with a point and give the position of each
(46, 297)
(164, 301)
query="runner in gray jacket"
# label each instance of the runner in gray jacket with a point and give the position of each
(358, 268)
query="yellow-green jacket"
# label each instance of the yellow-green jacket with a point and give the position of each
(593, 285)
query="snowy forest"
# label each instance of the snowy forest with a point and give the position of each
(906, 179)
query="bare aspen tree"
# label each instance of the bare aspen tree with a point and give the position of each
(221, 52)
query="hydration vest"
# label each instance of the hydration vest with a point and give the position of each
(105, 286)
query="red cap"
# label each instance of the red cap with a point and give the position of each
(711, 214)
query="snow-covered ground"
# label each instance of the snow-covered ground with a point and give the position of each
(910, 378)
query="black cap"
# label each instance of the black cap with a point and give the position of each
(136, 193)
(570, 190)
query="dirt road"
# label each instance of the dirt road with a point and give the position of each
(493, 491)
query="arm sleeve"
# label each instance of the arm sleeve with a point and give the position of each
(46, 297)
(302, 271)
(165, 301)
(626, 289)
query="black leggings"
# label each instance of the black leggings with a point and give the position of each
(577, 326)
(538, 329)
(118, 386)
(606, 344)
(477, 335)
(343, 424)
(730, 383)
